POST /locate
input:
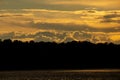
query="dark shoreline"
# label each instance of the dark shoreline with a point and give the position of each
(32, 55)
(67, 70)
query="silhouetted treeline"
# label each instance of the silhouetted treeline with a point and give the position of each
(16, 44)
(17, 55)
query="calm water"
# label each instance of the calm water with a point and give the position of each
(61, 75)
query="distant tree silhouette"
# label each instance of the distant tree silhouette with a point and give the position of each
(50, 55)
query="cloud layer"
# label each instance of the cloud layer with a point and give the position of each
(60, 4)
(60, 26)
(46, 36)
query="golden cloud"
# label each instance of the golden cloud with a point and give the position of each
(91, 25)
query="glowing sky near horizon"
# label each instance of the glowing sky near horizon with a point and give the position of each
(60, 20)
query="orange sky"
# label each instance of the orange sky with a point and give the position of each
(60, 20)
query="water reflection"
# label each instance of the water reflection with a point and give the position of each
(62, 75)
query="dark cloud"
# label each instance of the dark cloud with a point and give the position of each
(49, 34)
(7, 35)
(70, 27)
(69, 39)
(91, 11)
(63, 27)
(108, 18)
(11, 15)
(111, 16)
(59, 26)
(22, 36)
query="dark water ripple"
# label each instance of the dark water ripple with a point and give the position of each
(61, 75)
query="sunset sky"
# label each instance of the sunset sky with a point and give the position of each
(60, 20)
